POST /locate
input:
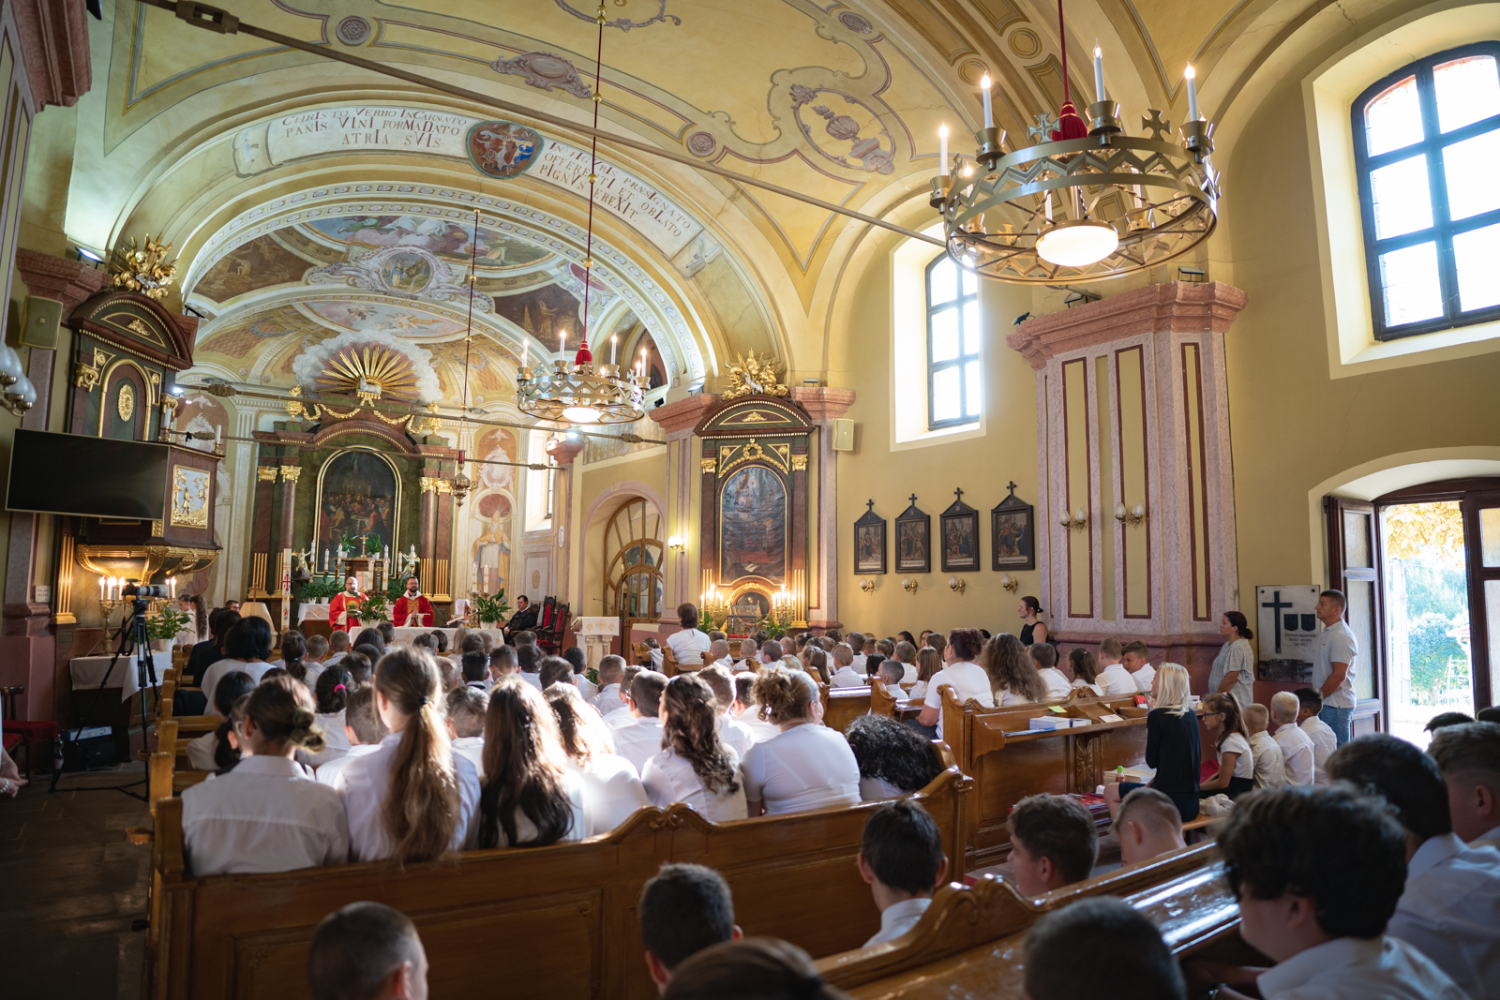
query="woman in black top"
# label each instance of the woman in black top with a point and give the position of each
(1033, 630)
(1172, 746)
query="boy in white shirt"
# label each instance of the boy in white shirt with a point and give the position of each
(1137, 659)
(1469, 757)
(735, 734)
(719, 650)
(363, 726)
(640, 739)
(1270, 764)
(611, 673)
(1113, 677)
(1296, 747)
(1323, 739)
(1044, 655)
(746, 712)
(901, 859)
(466, 708)
(857, 653)
(846, 675)
(1318, 872)
(338, 648)
(1450, 909)
(369, 945)
(1148, 826)
(683, 909)
(906, 656)
(1124, 946)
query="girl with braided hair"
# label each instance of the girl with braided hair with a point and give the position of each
(695, 766)
(267, 814)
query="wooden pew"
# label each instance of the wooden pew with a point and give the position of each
(1009, 762)
(555, 922)
(970, 942)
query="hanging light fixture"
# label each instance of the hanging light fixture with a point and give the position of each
(1085, 201)
(574, 391)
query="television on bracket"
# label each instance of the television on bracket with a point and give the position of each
(52, 473)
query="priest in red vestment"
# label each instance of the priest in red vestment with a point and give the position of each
(343, 610)
(413, 609)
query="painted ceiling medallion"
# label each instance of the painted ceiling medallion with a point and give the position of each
(544, 71)
(869, 151)
(503, 149)
(403, 270)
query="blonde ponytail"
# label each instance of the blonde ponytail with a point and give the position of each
(421, 806)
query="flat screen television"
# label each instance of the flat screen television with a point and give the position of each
(53, 473)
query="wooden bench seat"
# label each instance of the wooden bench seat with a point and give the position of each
(970, 942)
(554, 922)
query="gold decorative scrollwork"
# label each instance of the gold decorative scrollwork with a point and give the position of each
(86, 376)
(266, 473)
(291, 472)
(709, 465)
(428, 484)
(125, 401)
(190, 497)
(153, 388)
(777, 455)
(156, 529)
(799, 463)
(444, 486)
(753, 417)
(749, 376)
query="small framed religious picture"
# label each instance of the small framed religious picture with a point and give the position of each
(913, 540)
(869, 542)
(1013, 534)
(960, 536)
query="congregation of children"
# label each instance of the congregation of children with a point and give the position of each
(1364, 867)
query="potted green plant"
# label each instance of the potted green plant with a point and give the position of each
(162, 630)
(375, 609)
(491, 609)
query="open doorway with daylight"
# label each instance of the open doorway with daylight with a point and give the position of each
(1434, 568)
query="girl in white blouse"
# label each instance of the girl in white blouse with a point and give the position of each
(332, 695)
(530, 797)
(695, 766)
(266, 815)
(612, 790)
(929, 662)
(1011, 671)
(806, 765)
(1085, 670)
(1221, 717)
(413, 799)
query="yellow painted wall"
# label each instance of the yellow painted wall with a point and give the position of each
(980, 465)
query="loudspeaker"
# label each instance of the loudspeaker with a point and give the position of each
(43, 316)
(843, 435)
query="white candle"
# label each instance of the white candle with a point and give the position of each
(525, 349)
(1192, 88)
(943, 150)
(102, 582)
(614, 345)
(1098, 70)
(989, 109)
(562, 343)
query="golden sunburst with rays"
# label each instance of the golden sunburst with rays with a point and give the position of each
(369, 372)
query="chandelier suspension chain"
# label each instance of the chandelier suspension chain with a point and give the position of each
(220, 21)
(588, 252)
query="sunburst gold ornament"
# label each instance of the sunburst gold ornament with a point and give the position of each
(750, 376)
(143, 269)
(369, 372)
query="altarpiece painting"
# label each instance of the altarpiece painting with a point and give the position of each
(358, 500)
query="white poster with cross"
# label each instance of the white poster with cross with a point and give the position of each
(1287, 626)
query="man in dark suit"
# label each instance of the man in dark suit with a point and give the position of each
(523, 620)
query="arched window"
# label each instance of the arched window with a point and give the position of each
(632, 562)
(955, 382)
(1427, 147)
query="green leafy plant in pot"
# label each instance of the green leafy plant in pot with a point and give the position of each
(491, 608)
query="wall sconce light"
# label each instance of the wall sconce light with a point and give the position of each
(867, 585)
(1009, 582)
(955, 584)
(909, 585)
(676, 543)
(1134, 516)
(1078, 519)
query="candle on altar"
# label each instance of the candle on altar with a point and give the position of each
(103, 582)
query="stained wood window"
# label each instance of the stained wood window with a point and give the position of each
(1427, 148)
(955, 382)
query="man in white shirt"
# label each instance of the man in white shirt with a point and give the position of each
(466, 708)
(364, 730)
(1450, 910)
(1113, 677)
(683, 909)
(966, 677)
(901, 859)
(1469, 757)
(1137, 659)
(1270, 762)
(1044, 655)
(1318, 873)
(1323, 740)
(247, 644)
(1334, 654)
(640, 739)
(689, 645)
(608, 700)
(1296, 746)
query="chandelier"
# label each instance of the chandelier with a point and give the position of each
(573, 391)
(1085, 201)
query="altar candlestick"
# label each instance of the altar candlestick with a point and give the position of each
(989, 108)
(614, 345)
(943, 150)
(1098, 71)
(1192, 89)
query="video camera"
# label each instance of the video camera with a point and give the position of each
(135, 590)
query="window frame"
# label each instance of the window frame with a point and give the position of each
(1443, 228)
(957, 304)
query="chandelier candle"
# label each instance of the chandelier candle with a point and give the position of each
(989, 107)
(943, 150)
(1099, 71)
(614, 346)
(1192, 89)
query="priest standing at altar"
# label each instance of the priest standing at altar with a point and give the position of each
(343, 610)
(413, 609)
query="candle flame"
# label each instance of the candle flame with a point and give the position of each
(1189, 72)
(984, 82)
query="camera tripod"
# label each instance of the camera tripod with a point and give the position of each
(132, 633)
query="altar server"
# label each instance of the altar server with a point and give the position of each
(266, 815)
